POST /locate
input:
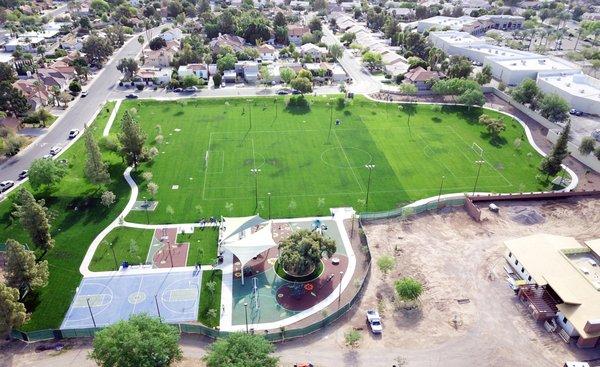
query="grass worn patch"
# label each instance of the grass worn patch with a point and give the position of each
(210, 300)
(79, 218)
(203, 246)
(129, 244)
(207, 148)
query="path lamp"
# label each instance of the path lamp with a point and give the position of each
(255, 172)
(370, 168)
(269, 196)
(246, 314)
(480, 163)
(170, 255)
(441, 186)
(146, 209)
(340, 293)
(112, 248)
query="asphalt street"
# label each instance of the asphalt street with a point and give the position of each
(81, 112)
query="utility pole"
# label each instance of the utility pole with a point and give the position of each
(370, 168)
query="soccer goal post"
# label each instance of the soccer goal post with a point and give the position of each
(477, 149)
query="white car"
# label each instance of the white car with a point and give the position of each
(374, 321)
(596, 135)
(55, 149)
(73, 133)
(5, 185)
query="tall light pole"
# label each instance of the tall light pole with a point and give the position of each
(269, 196)
(370, 168)
(112, 248)
(330, 104)
(480, 163)
(249, 112)
(246, 313)
(255, 172)
(87, 300)
(170, 255)
(441, 186)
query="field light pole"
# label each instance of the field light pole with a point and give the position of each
(441, 186)
(330, 120)
(249, 113)
(269, 196)
(111, 246)
(370, 168)
(87, 300)
(480, 163)
(255, 172)
(246, 314)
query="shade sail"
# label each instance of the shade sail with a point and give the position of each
(232, 226)
(250, 245)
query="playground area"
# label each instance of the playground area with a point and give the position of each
(264, 296)
(164, 250)
(101, 301)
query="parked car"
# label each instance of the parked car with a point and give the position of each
(55, 149)
(131, 96)
(374, 322)
(23, 174)
(283, 91)
(73, 133)
(47, 156)
(575, 112)
(84, 94)
(191, 89)
(5, 185)
(178, 90)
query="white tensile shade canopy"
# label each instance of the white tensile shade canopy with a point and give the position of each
(231, 226)
(249, 246)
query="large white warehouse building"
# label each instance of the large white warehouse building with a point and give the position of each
(580, 90)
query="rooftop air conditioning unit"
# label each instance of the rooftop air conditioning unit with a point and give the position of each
(582, 91)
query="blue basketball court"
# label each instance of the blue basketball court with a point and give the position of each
(117, 297)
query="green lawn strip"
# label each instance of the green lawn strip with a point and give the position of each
(203, 246)
(129, 244)
(210, 301)
(79, 218)
(208, 149)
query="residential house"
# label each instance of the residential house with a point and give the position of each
(174, 34)
(34, 91)
(25, 44)
(267, 52)
(248, 70)
(162, 57)
(236, 43)
(299, 5)
(199, 70)
(423, 79)
(64, 68)
(52, 78)
(156, 76)
(317, 53)
(71, 42)
(295, 33)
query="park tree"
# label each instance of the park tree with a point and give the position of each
(226, 62)
(301, 252)
(157, 43)
(347, 38)
(152, 189)
(46, 172)
(22, 271)
(459, 67)
(265, 75)
(12, 312)
(97, 49)
(140, 341)
(526, 92)
(34, 218)
(96, 171)
(241, 349)
(128, 67)
(408, 289)
(386, 264)
(472, 97)
(7, 73)
(108, 198)
(587, 145)
(75, 86)
(132, 140)
(415, 62)
(554, 108)
(494, 126)
(336, 51)
(454, 86)
(12, 100)
(373, 60)
(287, 74)
(551, 164)
(301, 84)
(484, 76)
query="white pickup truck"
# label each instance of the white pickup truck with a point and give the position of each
(374, 322)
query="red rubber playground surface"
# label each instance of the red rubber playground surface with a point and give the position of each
(171, 254)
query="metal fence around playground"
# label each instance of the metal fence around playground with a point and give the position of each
(409, 210)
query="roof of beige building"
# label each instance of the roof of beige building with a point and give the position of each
(571, 269)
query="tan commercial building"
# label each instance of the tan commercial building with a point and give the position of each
(562, 279)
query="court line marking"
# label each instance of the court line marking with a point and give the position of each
(138, 291)
(88, 317)
(348, 161)
(194, 308)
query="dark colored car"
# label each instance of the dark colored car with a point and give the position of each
(131, 96)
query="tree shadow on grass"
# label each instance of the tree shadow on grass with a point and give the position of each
(298, 110)
(179, 113)
(495, 141)
(436, 119)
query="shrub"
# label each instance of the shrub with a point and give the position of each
(110, 143)
(298, 101)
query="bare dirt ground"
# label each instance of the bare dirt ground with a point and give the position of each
(456, 259)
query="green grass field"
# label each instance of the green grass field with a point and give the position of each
(210, 301)
(204, 163)
(79, 218)
(203, 246)
(124, 249)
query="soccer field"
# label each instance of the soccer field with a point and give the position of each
(210, 147)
